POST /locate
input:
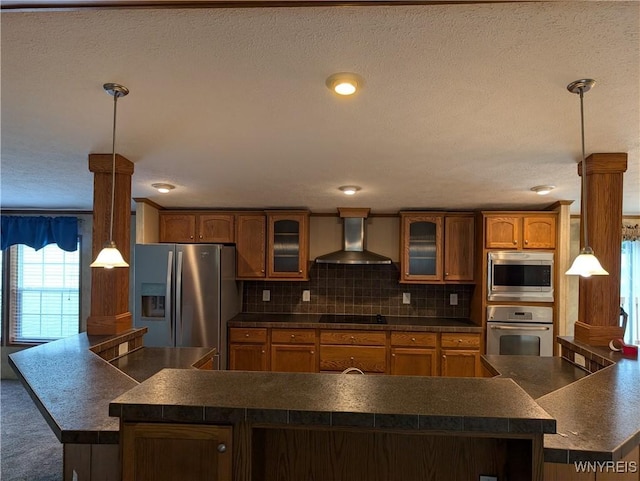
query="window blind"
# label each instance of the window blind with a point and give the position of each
(44, 290)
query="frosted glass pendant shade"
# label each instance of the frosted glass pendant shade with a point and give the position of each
(109, 257)
(586, 265)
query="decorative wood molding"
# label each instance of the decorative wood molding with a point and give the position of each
(52, 5)
(143, 200)
(615, 163)
(596, 335)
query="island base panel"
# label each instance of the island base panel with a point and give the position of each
(295, 454)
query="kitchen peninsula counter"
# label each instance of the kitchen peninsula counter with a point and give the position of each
(597, 413)
(392, 323)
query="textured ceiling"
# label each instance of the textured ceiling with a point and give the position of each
(463, 107)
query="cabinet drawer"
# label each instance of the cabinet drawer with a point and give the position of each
(422, 339)
(459, 340)
(356, 338)
(293, 336)
(339, 358)
(247, 335)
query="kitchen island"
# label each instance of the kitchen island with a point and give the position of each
(291, 426)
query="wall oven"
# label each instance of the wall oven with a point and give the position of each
(520, 276)
(520, 330)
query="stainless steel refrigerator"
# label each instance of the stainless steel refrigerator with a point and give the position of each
(185, 294)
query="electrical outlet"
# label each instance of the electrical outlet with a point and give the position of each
(266, 295)
(488, 478)
(453, 299)
(406, 298)
(306, 295)
(579, 360)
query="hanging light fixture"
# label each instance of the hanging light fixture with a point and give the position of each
(586, 264)
(110, 257)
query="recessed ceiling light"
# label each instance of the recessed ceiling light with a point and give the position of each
(349, 189)
(344, 83)
(543, 189)
(163, 188)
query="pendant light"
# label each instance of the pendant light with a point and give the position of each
(586, 264)
(110, 257)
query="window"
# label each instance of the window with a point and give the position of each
(630, 288)
(43, 292)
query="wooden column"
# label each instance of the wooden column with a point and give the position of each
(599, 296)
(110, 287)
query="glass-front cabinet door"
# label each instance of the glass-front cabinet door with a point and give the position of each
(288, 244)
(421, 248)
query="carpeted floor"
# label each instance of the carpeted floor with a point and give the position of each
(29, 451)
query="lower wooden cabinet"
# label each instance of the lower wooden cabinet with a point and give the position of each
(361, 349)
(407, 353)
(460, 355)
(411, 361)
(414, 354)
(460, 363)
(294, 350)
(248, 349)
(170, 452)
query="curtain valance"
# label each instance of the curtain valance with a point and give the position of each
(630, 232)
(39, 231)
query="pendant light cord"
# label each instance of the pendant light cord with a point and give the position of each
(113, 167)
(584, 175)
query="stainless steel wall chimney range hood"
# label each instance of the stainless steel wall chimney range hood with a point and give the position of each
(353, 236)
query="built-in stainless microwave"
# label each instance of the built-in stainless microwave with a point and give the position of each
(520, 276)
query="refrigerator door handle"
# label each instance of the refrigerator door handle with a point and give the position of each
(178, 303)
(168, 290)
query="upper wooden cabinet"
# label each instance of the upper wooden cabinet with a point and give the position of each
(273, 245)
(424, 248)
(250, 245)
(421, 244)
(459, 236)
(193, 227)
(520, 231)
(288, 244)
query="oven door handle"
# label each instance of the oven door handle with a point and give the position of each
(519, 328)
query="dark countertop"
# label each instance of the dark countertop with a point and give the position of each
(597, 415)
(319, 399)
(536, 375)
(72, 386)
(394, 323)
(144, 363)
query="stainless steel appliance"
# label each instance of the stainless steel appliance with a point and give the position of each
(520, 276)
(185, 294)
(520, 330)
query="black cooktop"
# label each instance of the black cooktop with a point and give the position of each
(353, 319)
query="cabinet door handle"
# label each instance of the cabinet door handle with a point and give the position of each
(293, 336)
(263, 351)
(262, 270)
(300, 271)
(222, 448)
(201, 237)
(312, 352)
(246, 334)
(515, 241)
(190, 237)
(393, 355)
(526, 241)
(413, 339)
(352, 358)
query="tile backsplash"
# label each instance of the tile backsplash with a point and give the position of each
(344, 289)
